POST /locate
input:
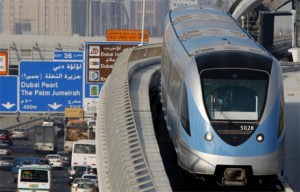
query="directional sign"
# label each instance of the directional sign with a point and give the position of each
(50, 86)
(68, 55)
(3, 63)
(126, 35)
(101, 57)
(8, 93)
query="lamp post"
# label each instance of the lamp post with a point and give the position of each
(143, 22)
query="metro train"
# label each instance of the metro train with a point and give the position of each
(222, 98)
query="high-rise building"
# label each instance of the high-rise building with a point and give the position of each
(80, 19)
(155, 13)
(1, 16)
(114, 15)
(36, 17)
(87, 17)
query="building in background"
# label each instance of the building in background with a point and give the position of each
(79, 20)
(155, 13)
(36, 17)
(88, 17)
(1, 16)
(114, 15)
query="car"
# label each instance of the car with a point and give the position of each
(5, 149)
(66, 157)
(6, 136)
(45, 161)
(19, 162)
(86, 187)
(92, 177)
(76, 181)
(55, 160)
(6, 162)
(20, 133)
(77, 171)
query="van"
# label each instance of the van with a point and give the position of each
(34, 178)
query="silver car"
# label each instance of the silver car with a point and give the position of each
(20, 133)
(6, 162)
(76, 181)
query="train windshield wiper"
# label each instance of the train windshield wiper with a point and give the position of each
(218, 108)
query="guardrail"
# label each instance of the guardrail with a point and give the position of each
(13, 121)
(121, 162)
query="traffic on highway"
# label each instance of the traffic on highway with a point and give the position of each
(24, 167)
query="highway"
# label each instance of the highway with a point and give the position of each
(25, 148)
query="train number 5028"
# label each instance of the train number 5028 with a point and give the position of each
(246, 128)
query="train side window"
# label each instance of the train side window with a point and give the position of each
(281, 115)
(173, 87)
(184, 113)
(166, 66)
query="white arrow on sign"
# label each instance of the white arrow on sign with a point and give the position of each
(55, 106)
(8, 105)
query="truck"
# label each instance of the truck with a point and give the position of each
(75, 130)
(92, 128)
(45, 139)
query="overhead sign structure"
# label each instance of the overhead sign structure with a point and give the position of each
(100, 58)
(132, 35)
(68, 55)
(50, 86)
(3, 63)
(8, 94)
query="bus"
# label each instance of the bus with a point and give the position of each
(34, 178)
(84, 153)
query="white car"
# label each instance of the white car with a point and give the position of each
(92, 177)
(55, 160)
(86, 187)
(76, 181)
(20, 133)
(5, 149)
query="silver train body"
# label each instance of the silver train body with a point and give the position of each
(222, 97)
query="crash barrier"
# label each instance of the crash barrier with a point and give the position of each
(11, 122)
(121, 162)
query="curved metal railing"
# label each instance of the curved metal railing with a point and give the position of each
(122, 165)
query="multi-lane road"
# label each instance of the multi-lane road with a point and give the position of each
(25, 148)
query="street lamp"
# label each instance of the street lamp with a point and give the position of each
(143, 22)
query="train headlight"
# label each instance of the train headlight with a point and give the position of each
(260, 137)
(209, 136)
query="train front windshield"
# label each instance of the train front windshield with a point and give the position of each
(234, 94)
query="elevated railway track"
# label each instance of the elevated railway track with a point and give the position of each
(131, 156)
